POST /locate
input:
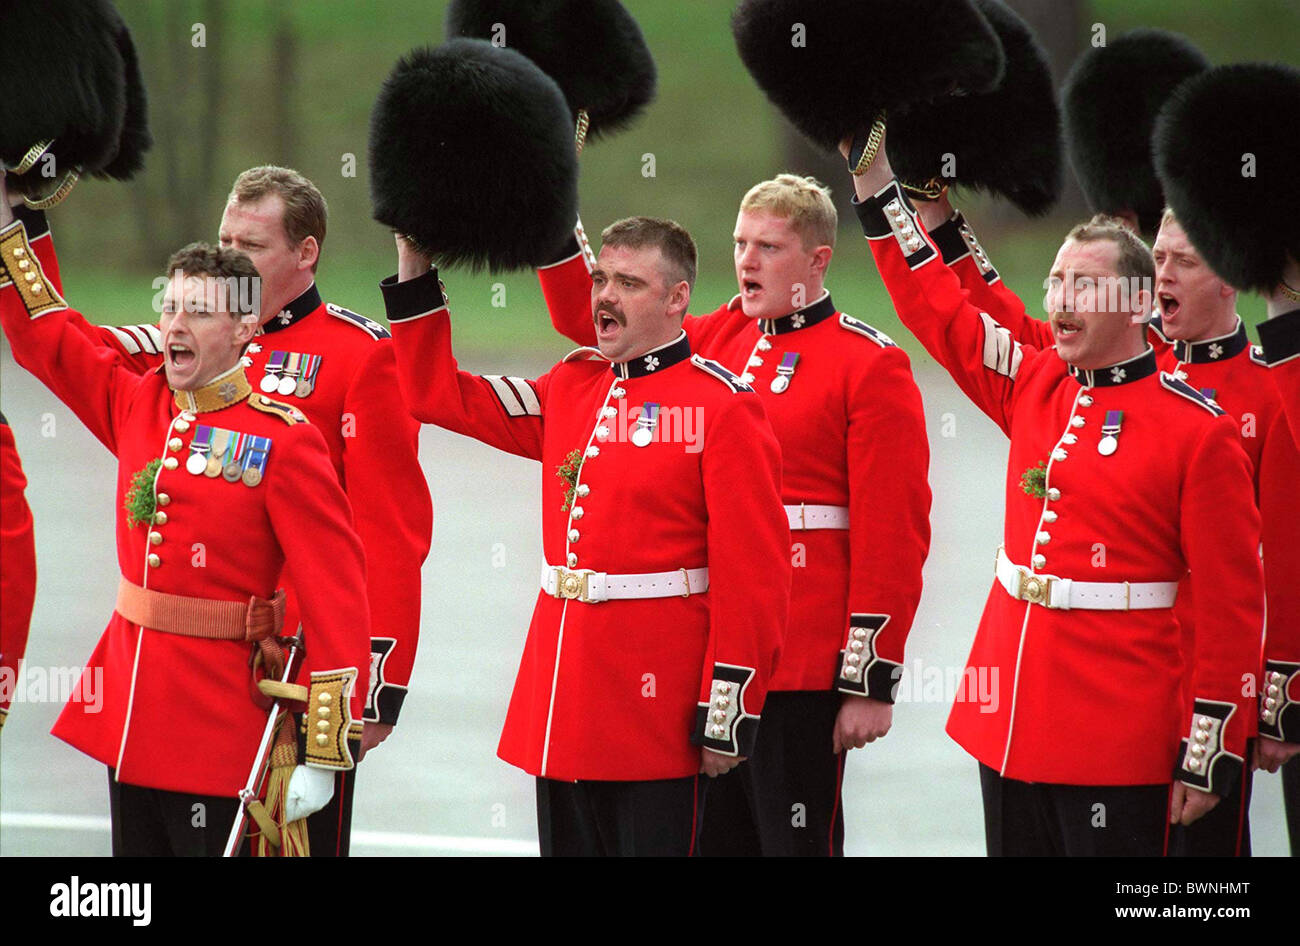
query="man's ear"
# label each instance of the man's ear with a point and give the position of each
(679, 298)
(245, 329)
(308, 253)
(821, 260)
(1143, 300)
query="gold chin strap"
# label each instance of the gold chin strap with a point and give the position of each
(932, 189)
(873, 145)
(1288, 292)
(584, 122)
(32, 156)
(58, 195)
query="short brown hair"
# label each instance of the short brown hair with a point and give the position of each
(304, 206)
(671, 238)
(804, 201)
(220, 262)
(1134, 256)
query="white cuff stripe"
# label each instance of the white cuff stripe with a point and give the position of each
(128, 341)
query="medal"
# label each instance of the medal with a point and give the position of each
(289, 380)
(220, 438)
(308, 382)
(784, 372)
(645, 425)
(271, 381)
(255, 460)
(231, 469)
(1110, 433)
(198, 459)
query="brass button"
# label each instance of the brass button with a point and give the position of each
(37, 287)
(323, 725)
(322, 739)
(175, 444)
(324, 697)
(160, 518)
(154, 561)
(573, 559)
(163, 499)
(155, 538)
(323, 712)
(182, 426)
(170, 463)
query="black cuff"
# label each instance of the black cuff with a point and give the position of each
(947, 237)
(890, 213)
(1280, 337)
(37, 224)
(722, 723)
(860, 670)
(1203, 762)
(1279, 711)
(414, 297)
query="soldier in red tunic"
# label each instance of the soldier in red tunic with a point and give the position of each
(848, 417)
(1080, 620)
(667, 574)
(336, 367)
(17, 564)
(222, 491)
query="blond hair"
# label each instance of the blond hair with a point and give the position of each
(304, 206)
(804, 201)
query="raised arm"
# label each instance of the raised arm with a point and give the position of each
(503, 412)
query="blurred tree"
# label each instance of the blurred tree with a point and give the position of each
(283, 80)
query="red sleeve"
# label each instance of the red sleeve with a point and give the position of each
(889, 524)
(1220, 530)
(503, 412)
(982, 356)
(312, 522)
(749, 568)
(17, 566)
(394, 518)
(1280, 339)
(566, 287)
(53, 342)
(1279, 471)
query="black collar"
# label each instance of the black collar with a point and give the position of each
(295, 311)
(819, 311)
(1213, 349)
(1143, 366)
(657, 359)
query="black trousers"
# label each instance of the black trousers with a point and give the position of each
(150, 822)
(1291, 800)
(1225, 830)
(329, 831)
(1035, 819)
(785, 801)
(657, 818)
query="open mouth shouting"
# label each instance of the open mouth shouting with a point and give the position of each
(1169, 305)
(1066, 327)
(750, 288)
(181, 361)
(608, 323)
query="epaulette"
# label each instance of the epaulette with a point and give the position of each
(369, 326)
(1183, 389)
(728, 378)
(862, 328)
(1158, 327)
(1257, 355)
(586, 353)
(286, 412)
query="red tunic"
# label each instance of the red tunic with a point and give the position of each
(177, 712)
(1235, 376)
(1092, 697)
(852, 434)
(613, 690)
(355, 404)
(17, 565)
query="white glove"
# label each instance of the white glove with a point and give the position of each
(310, 790)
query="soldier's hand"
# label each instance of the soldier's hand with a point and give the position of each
(372, 734)
(714, 764)
(933, 213)
(860, 720)
(1189, 804)
(876, 176)
(411, 263)
(1271, 755)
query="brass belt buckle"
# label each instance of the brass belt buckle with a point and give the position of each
(573, 585)
(1036, 589)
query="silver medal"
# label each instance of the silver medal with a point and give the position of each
(287, 386)
(270, 383)
(780, 383)
(196, 464)
(1108, 446)
(641, 437)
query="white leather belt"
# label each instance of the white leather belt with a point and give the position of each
(1066, 594)
(804, 516)
(593, 587)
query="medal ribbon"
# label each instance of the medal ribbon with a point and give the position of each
(649, 416)
(788, 362)
(255, 456)
(276, 364)
(1113, 420)
(201, 443)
